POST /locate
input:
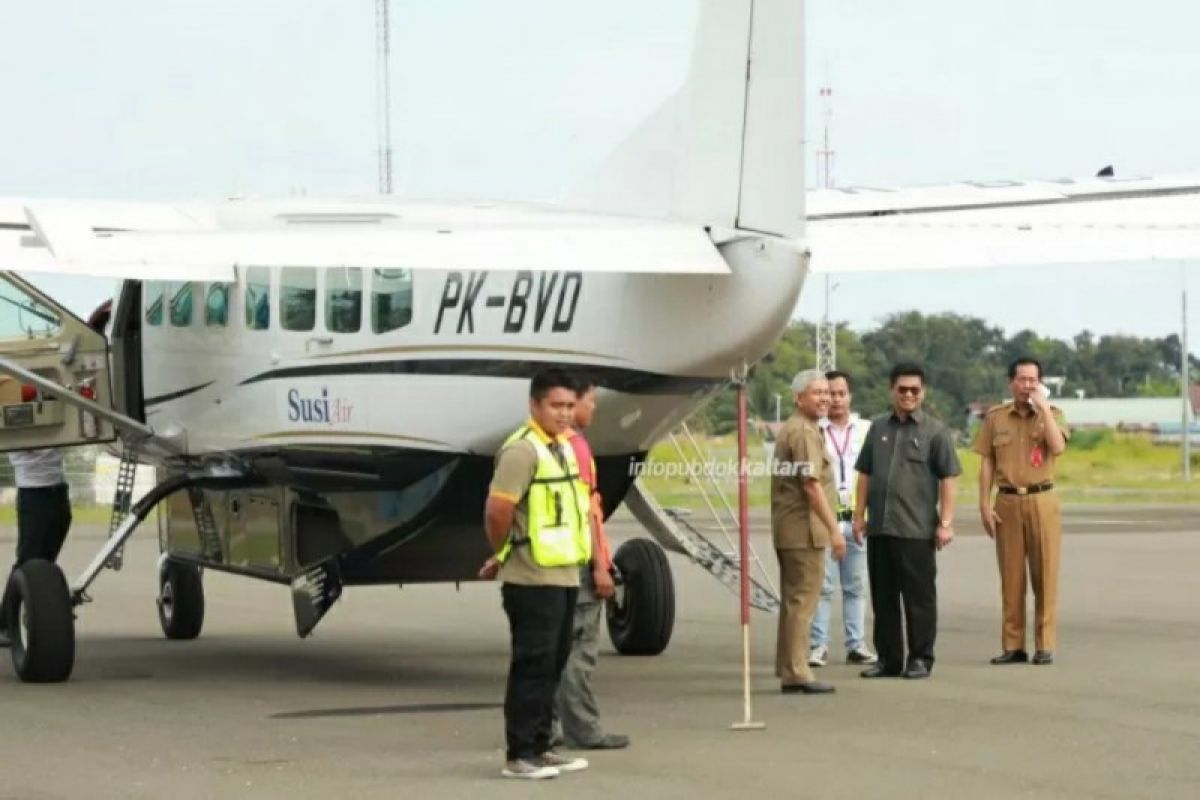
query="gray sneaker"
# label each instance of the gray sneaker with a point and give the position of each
(528, 770)
(559, 762)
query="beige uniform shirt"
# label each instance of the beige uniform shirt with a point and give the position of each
(800, 450)
(1015, 438)
(516, 464)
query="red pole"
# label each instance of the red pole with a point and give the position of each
(744, 560)
(743, 505)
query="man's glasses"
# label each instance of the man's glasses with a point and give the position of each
(913, 390)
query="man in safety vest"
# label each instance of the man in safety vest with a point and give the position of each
(537, 523)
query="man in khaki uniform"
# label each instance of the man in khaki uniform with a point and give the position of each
(1019, 442)
(803, 494)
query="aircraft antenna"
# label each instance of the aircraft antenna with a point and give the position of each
(826, 328)
(383, 96)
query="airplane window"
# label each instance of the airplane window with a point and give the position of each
(258, 298)
(391, 299)
(298, 298)
(216, 305)
(23, 317)
(343, 299)
(152, 301)
(181, 304)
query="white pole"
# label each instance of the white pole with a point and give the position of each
(383, 95)
(1185, 388)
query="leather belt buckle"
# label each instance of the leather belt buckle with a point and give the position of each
(1022, 490)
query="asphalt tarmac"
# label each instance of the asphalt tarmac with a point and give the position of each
(398, 693)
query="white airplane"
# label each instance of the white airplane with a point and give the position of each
(323, 385)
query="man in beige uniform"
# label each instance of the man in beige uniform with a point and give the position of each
(1019, 442)
(803, 495)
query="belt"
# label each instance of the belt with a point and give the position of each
(1034, 489)
(845, 516)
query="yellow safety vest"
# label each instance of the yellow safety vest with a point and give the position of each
(557, 508)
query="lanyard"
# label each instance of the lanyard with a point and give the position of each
(840, 449)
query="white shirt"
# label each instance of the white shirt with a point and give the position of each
(36, 469)
(842, 445)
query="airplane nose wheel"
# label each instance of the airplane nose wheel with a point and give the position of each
(180, 600)
(41, 623)
(641, 616)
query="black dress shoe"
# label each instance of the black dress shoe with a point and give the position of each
(881, 671)
(917, 669)
(1043, 657)
(1011, 657)
(812, 687)
(609, 741)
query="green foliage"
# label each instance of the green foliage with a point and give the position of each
(1090, 438)
(966, 360)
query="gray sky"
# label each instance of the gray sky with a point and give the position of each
(175, 99)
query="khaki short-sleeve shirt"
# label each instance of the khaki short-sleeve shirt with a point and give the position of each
(1015, 438)
(799, 456)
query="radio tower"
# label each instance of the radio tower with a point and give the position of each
(826, 328)
(383, 98)
(826, 153)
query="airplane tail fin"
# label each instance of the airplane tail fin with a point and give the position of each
(727, 150)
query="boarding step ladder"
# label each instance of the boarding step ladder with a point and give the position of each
(672, 529)
(122, 498)
(206, 525)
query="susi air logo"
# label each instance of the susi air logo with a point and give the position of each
(320, 409)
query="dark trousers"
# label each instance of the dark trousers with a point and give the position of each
(43, 519)
(540, 620)
(903, 574)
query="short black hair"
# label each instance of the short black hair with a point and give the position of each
(904, 369)
(1012, 368)
(553, 378)
(583, 384)
(837, 373)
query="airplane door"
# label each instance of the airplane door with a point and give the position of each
(42, 337)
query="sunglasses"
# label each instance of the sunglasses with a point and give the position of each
(913, 390)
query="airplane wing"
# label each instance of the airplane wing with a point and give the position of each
(1005, 223)
(205, 242)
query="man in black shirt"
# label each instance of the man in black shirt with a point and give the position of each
(907, 472)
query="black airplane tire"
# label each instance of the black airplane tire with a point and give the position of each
(641, 617)
(180, 600)
(40, 620)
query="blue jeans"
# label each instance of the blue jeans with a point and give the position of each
(852, 572)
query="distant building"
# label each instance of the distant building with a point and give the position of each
(1122, 413)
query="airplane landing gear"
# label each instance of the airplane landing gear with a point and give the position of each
(641, 616)
(41, 623)
(180, 600)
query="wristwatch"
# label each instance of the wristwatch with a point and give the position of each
(945, 523)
